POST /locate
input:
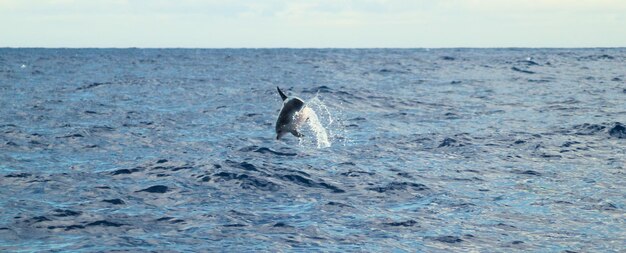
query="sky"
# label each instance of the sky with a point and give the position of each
(313, 23)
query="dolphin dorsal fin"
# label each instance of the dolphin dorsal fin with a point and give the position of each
(282, 95)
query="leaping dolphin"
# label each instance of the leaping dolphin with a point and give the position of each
(291, 116)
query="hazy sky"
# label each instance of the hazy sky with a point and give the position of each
(313, 23)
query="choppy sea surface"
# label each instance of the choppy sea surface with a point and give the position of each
(440, 150)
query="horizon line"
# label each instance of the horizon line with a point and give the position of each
(254, 48)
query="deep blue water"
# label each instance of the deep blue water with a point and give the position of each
(438, 150)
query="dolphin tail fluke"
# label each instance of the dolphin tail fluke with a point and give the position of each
(282, 95)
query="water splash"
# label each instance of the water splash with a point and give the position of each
(321, 135)
(319, 123)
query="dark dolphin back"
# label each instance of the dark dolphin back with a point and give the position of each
(286, 113)
(295, 104)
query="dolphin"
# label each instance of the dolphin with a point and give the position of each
(291, 116)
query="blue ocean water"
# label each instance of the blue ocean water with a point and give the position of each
(438, 150)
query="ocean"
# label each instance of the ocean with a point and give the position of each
(412, 150)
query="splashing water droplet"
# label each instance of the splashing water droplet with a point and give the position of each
(321, 125)
(321, 135)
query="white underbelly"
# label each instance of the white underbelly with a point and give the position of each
(300, 117)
